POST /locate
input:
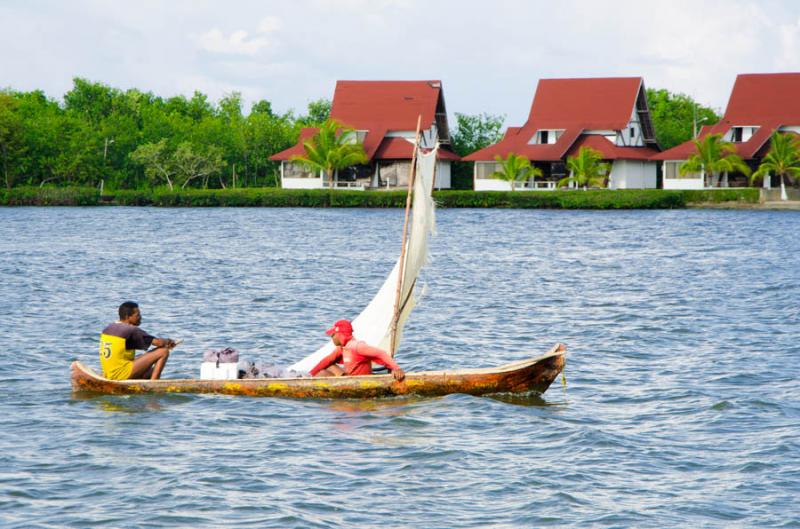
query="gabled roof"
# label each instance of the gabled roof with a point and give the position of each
(759, 98)
(379, 107)
(594, 103)
(389, 105)
(768, 101)
(574, 106)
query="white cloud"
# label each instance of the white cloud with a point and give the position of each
(489, 57)
(269, 24)
(237, 43)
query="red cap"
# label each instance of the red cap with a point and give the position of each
(342, 326)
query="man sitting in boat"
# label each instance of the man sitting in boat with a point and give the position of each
(118, 342)
(356, 355)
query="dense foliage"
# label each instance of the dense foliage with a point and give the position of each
(134, 140)
(673, 116)
(275, 197)
(472, 133)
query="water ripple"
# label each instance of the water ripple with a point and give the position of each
(681, 407)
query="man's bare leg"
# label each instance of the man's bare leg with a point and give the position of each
(330, 371)
(150, 364)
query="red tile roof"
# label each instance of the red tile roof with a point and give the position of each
(757, 98)
(395, 148)
(575, 106)
(767, 101)
(296, 149)
(594, 103)
(389, 105)
(517, 142)
(609, 150)
(381, 106)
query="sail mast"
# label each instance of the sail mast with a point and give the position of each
(412, 175)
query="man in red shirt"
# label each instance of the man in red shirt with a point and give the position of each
(356, 355)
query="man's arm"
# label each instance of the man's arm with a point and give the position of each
(382, 357)
(332, 358)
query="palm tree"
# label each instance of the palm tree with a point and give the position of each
(713, 157)
(332, 149)
(586, 169)
(782, 160)
(515, 168)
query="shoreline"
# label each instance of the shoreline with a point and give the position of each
(600, 199)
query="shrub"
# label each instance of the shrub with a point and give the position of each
(321, 198)
(51, 196)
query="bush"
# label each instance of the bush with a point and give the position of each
(51, 196)
(748, 195)
(323, 198)
(574, 199)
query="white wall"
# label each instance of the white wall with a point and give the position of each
(683, 183)
(301, 183)
(443, 174)
(624, 138)
(632, 174)
(491, 184)
(679, 183)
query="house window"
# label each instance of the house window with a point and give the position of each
(298, 170)
(740, 134)
(486, 169)
(543, 136)
(633, 132)
(672, 171)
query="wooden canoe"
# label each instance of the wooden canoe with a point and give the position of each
(532, 375)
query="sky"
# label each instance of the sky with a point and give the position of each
(488, 55)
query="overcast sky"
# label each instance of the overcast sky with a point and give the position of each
(489, 55)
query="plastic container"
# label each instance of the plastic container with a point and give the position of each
(219, 371)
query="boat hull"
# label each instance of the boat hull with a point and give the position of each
(531, 375)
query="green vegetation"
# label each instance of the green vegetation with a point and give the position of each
(586, 169)
(333, 148)
(673, 116)
(712, 157)
(472, 133)
(136, 140)
(515, 169)
(782, 160)
(273, 197)
(50, 196)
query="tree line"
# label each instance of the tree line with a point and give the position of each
(137, 140)
(133, 140)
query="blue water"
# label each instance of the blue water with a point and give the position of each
(682, 405)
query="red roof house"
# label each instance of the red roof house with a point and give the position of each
(384, 115)
(609, 115)
(759, 105)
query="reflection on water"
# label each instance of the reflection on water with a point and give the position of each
(131, 403)
(529, 399)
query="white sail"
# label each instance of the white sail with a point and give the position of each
(374, 323)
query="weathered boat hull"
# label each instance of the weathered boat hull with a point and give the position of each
(531, 375)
